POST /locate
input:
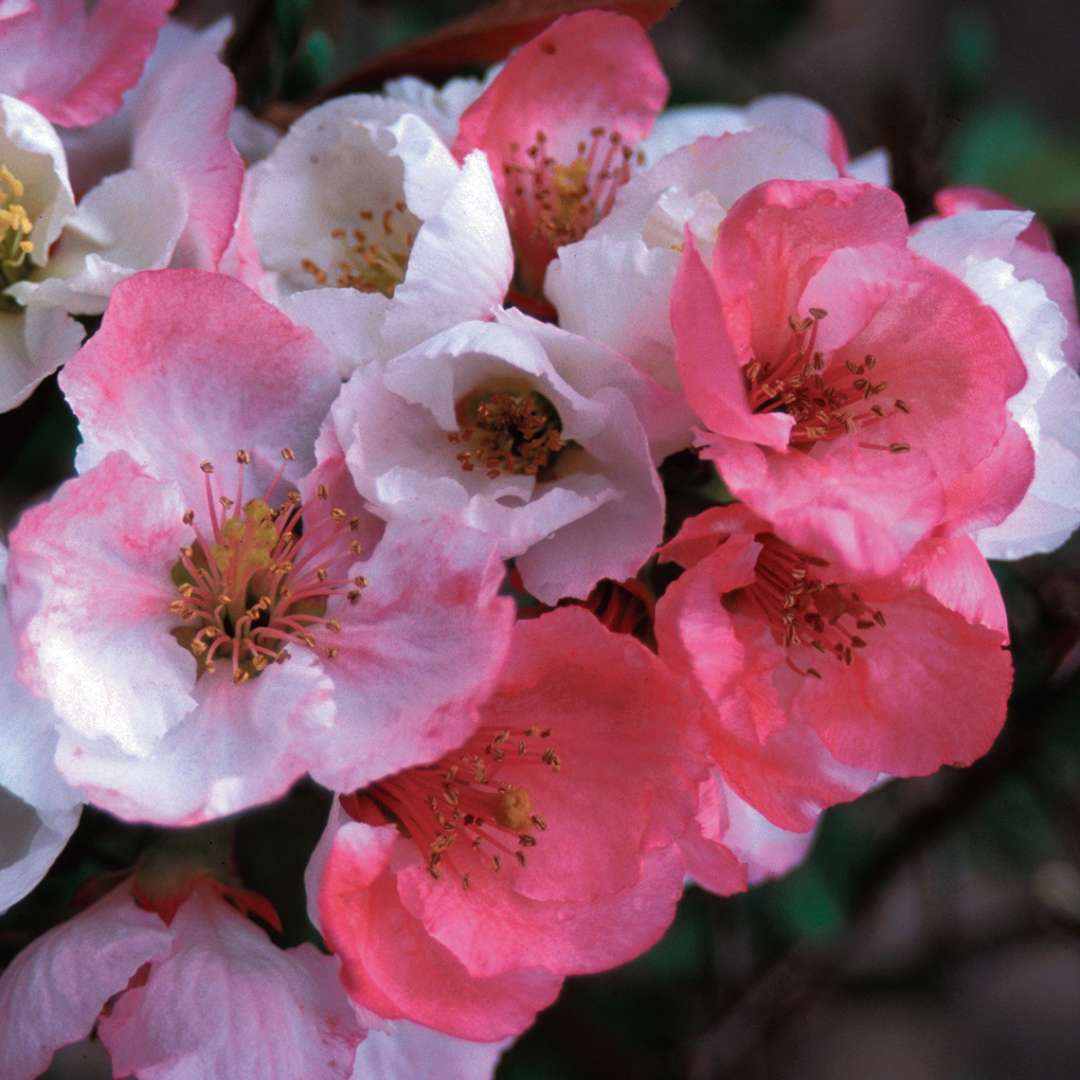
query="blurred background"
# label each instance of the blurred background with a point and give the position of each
(934, 932)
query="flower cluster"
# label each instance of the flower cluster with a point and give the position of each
(377, 433)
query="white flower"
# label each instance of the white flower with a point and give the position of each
(521, 430)
(373, 235)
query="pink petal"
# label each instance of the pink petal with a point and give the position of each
(53, 991)
(72, 66)
(405, 1051)
(418, 651)
(394, 968)
(586, 70)
(190, 367)
(227, 1002)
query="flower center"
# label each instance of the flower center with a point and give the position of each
(825, 400)
(551, 203)
(262, 577)
(374, 253)
(802, 610)
(15, 229)
(459, 812)
(505, 431)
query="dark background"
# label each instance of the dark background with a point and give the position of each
(934, 932)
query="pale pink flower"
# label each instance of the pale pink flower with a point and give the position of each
(179, 985)
(400, 1050)
(38, 810)
(460, 894)
(521, 430)
(173, 203)
(1007, 259)
(370, 231)
(853, 392)
(73, 66)
(820, 679)
(559, 124)
(200, 544)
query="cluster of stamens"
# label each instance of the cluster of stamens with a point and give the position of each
(551, 203)
(374, 253)
(462, 816)
(261, 579)
(803, 610)
(507, 432)
(826, 401)
(15, 228)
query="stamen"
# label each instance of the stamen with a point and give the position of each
(250, 589)
(803, 610)
(550, 203)
(826, 400)
(367, 264)
(507, 432)
(15, 229)
(460, 812)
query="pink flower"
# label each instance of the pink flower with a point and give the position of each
(73, 66)
(211, 615)
(179, 985)
(853, 392)
(819, 679)
(559, 124)
(462, 893)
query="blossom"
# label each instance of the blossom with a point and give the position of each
(400, 1050)
(372, 233)
(210, 610)
(521, 430)
(1004, 256)
(853, 392)
(172, 204)
(819, 679)
(38, 810)
(178, 983)
(73, 66)
(559, 124)
(614, 285)
(459, 894)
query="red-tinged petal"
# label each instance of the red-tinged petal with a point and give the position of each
(394, 968)
(775, 239)
(709, 363)
(228, 1002)
(953, 571)
(930, 689)
(938, 348)
(804, 118)
(52, 992)
(586, 70)
(190, 367)
(862, 509)
(73, 66)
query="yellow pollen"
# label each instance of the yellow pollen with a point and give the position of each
(15, 229)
